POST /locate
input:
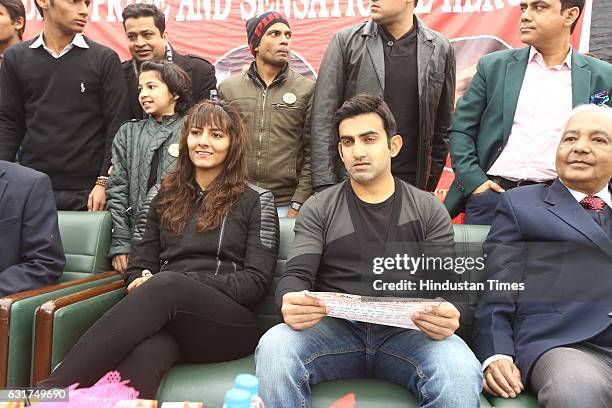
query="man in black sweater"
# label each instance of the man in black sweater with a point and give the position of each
(338, 233)
(145, 28)
(63, 99)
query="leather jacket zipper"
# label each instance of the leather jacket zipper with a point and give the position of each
(162, 264)
(219, 247)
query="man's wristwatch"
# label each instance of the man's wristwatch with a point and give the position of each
(295, 206)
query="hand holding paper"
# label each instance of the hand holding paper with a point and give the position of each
(390, 311)
(438, 323)
(301, 311)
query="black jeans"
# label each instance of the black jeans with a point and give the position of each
(71, 200)
(169, 319)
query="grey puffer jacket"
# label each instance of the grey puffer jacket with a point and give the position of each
(133, 150)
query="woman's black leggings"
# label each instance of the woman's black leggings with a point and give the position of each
(169, 319)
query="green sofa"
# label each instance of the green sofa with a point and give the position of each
(85, 238)
(208, 382)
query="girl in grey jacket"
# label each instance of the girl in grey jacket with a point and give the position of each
(144, 151)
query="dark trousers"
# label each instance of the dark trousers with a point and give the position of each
(578, 375)
(71, 200)
(169, 319)
(480, 208)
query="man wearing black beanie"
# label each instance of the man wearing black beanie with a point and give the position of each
(257, 26)
(275, 103)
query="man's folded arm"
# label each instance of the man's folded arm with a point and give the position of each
(464, 132)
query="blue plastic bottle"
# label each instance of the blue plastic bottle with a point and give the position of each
(249, 383)
(235, 398)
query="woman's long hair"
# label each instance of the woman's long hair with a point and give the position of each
(179, 190)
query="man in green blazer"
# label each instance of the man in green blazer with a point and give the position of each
(507, 125)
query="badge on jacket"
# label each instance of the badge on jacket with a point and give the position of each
(600, 98)
(173, 149)
(289, 98)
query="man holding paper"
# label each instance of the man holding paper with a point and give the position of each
(335, 232)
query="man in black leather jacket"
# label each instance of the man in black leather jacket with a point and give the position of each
(397, 57)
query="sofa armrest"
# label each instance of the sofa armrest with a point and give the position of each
(16, 322)
(61, 322)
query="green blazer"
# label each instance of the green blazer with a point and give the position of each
(484, 115)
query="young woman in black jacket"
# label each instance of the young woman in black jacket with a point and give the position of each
(207, 255)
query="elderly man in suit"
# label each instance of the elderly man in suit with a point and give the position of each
(557, 240)
(506, 125)
(31, 253)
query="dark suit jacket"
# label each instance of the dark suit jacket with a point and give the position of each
(483, 119)
(566, 265)
(31, 253)
(201, 72)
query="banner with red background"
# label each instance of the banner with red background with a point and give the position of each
(215, 30)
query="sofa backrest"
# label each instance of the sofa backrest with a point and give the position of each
(468, 243)
(266, 309)
(468, 239)
(86, 238)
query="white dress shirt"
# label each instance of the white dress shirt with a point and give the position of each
(78, 41)
(543, 107)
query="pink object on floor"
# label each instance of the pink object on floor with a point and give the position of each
(106, 393)
(348, 401)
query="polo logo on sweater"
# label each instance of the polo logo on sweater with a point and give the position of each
(82, 87)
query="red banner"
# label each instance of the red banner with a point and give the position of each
(215, 30)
